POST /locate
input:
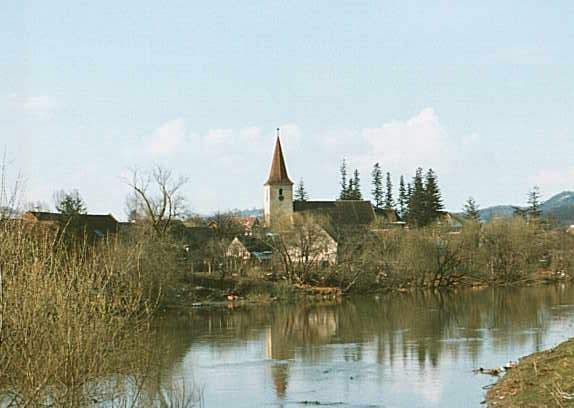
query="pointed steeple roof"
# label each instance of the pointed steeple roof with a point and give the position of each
(278, 173)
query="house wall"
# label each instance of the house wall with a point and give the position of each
(324, 249)
(237, 250)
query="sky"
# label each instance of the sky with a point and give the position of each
(482, 92)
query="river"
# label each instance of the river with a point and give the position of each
(400, 350)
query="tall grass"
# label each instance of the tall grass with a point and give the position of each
(73, 315)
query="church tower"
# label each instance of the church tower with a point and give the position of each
(278, 189)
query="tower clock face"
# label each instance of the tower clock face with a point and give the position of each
(281, 198)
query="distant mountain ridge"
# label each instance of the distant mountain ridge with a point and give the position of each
(253, 212)
(559, 207)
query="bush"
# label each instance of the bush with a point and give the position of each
(70, 316)
(510, 250)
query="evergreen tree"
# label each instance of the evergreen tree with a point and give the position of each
(356, 190)
(377, 182)
(343, 195)
(300, 192)
(433, 198)
(389, 201)
(416, 213)
(403, 198)
(69, 203)
(350, 190)
(534, 210)
(470, 210)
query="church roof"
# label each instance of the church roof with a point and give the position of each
(278, 174)
(341, 212)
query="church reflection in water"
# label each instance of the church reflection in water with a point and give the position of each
(417, 329)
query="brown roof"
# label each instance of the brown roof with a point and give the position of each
(100, 224)
(198, 237)
(253, 244)
(43, 216)
(341, 212)
(278, 173)
(388, 214)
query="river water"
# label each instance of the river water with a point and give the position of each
(403, 350)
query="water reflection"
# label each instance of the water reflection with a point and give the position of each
(403, 349)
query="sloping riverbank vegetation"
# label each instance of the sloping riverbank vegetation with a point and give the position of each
(544, 379)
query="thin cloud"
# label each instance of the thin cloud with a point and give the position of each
(405, 145)
(290, 135)
(40, 106)
(219, 136)
(168, 138)
(554, 179)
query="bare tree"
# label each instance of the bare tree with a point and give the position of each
(156, 197)
(302, 246)
(10, 195)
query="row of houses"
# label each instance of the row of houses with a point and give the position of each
(251, 239)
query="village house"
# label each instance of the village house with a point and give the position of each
(249, 224)
(247, 247)
(452, 221)
(92, 225)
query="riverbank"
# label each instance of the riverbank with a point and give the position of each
(544, 379)
(200, 289)
(205, 290)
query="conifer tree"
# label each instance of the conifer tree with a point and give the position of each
(69, 203)
(433, 198)
(389, 201)
(357, 195)
(403, 198)
(416, 213)
(534, 210)
(300, 192)
(377, 182)
(470, 210)
(350, 193)
(343, 195)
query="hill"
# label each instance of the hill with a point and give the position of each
(559, 208)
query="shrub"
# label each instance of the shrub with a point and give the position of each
(72, 315)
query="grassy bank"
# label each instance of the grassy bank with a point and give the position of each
(544, 379)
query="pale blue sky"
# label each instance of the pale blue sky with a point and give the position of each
(482, 93)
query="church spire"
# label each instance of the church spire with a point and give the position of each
(278, 173)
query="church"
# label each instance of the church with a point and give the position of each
(279, 204)
(327, 224)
